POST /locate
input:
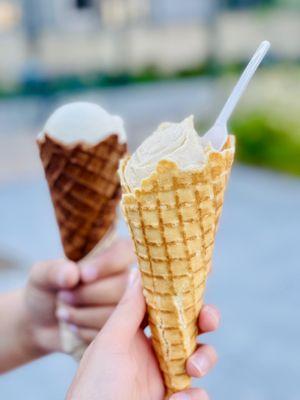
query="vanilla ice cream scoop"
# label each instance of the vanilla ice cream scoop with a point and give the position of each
(82, 122)
(177, 142)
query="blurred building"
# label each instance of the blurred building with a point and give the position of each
(78, 36)
(99, 14)
(65, 37)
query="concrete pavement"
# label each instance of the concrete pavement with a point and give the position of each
(255, 282)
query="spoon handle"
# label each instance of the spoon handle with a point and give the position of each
(242, 83)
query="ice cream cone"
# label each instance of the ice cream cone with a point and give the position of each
(85, 190)
(80, 148)
(172, 219)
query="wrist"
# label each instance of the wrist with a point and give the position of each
(17, 345)
(28, 330)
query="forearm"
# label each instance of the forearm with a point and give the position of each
(16, 340)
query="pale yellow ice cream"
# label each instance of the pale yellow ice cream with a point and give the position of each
(178, 142)
(82, 122)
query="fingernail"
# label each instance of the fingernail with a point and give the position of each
(64, 274)
(89, 273)
(66, 297)
(201, 363)
(62, 313)
(180, 396)
(73, 328)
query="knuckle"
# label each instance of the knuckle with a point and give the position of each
(42, 272)
(34, 270)
(39, 266)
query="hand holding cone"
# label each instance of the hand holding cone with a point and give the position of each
(83, 183)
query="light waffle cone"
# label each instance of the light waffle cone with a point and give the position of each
(172, 221)
(85, 190)
(219, 167)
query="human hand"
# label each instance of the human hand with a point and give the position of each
(120, 362)
(104, 279)
(86, 306)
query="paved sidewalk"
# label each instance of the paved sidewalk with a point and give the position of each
(255, 282)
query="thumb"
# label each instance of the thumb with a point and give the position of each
(113, 340)
(129, 314)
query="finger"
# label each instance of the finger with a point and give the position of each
(115, 259)
(125, 321)
(190, 394)
(103, 292)
(87, 335)
(58, 274)
(87, 317)
(209, 319)
(202, 361)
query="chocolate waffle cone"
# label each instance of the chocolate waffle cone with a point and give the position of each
(85, 190)
(172, 220)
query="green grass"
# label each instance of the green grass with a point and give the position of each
(264, 140)
(150, 74)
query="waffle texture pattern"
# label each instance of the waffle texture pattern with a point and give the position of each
(85, 190)
(172, 220)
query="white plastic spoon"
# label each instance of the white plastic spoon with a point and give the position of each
(217, 135)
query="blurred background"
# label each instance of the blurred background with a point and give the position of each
(151, 61)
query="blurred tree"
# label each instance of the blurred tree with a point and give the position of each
(248, 3)
(83, 3)
(289, 3)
